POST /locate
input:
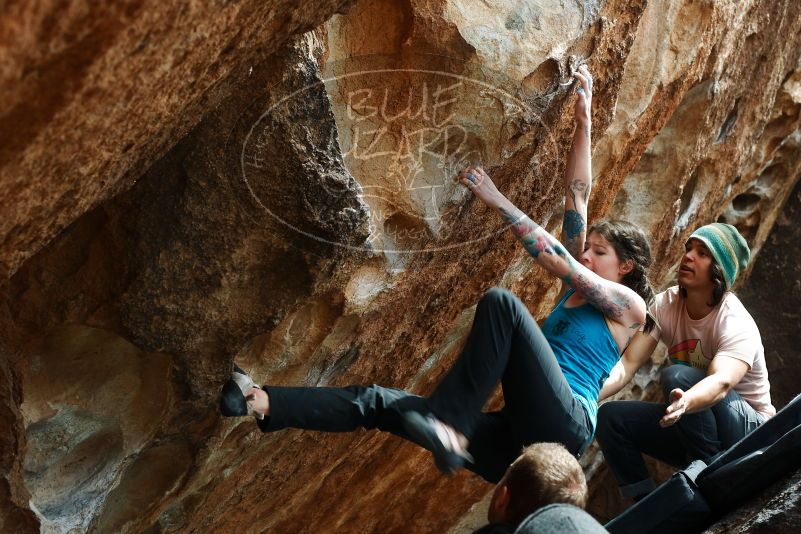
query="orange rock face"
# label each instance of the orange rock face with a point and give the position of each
(234, 193)
(94, 94)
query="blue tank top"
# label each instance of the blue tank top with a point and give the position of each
(584, 348)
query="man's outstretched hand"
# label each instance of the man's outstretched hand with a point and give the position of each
(678, 405)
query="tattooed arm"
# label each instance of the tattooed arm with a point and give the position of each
(578, 174)
(614, 300)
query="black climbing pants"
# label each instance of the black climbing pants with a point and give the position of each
(505, 344)
(629, 429)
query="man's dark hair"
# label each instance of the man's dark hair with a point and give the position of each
(545, 473)
(717, 278)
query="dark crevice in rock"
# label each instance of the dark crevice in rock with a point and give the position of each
(728, 123)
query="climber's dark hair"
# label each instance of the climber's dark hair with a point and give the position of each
(630, 243)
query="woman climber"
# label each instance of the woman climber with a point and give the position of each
(550, 376)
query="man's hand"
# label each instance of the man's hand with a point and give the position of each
(722, 375)
(584, 100)
(678, 405)
(481, 185)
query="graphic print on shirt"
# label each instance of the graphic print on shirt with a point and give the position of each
(560, 327)
(689, 352)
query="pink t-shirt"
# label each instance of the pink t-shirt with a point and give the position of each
(728, 331)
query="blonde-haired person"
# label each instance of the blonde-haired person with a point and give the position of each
(545, 474)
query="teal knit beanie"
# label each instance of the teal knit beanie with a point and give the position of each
(728, 248)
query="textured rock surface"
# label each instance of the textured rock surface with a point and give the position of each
(14, 515)
(93, 402)
(94, 93)
(777, 510)
(292, 211)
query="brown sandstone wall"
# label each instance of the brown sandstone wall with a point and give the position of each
(95, 93)
(91, 95)
(287, 205)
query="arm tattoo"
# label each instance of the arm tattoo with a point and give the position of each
(612, 305)
(578, 186)
(551, 255)
(533, 238)
(609, 298)
(573, 224)
(573, 232)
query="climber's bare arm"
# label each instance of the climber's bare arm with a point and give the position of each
(578, 174)
(616, 301)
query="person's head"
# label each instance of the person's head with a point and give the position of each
(619, 251)
(545, 473)
(714, 256)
